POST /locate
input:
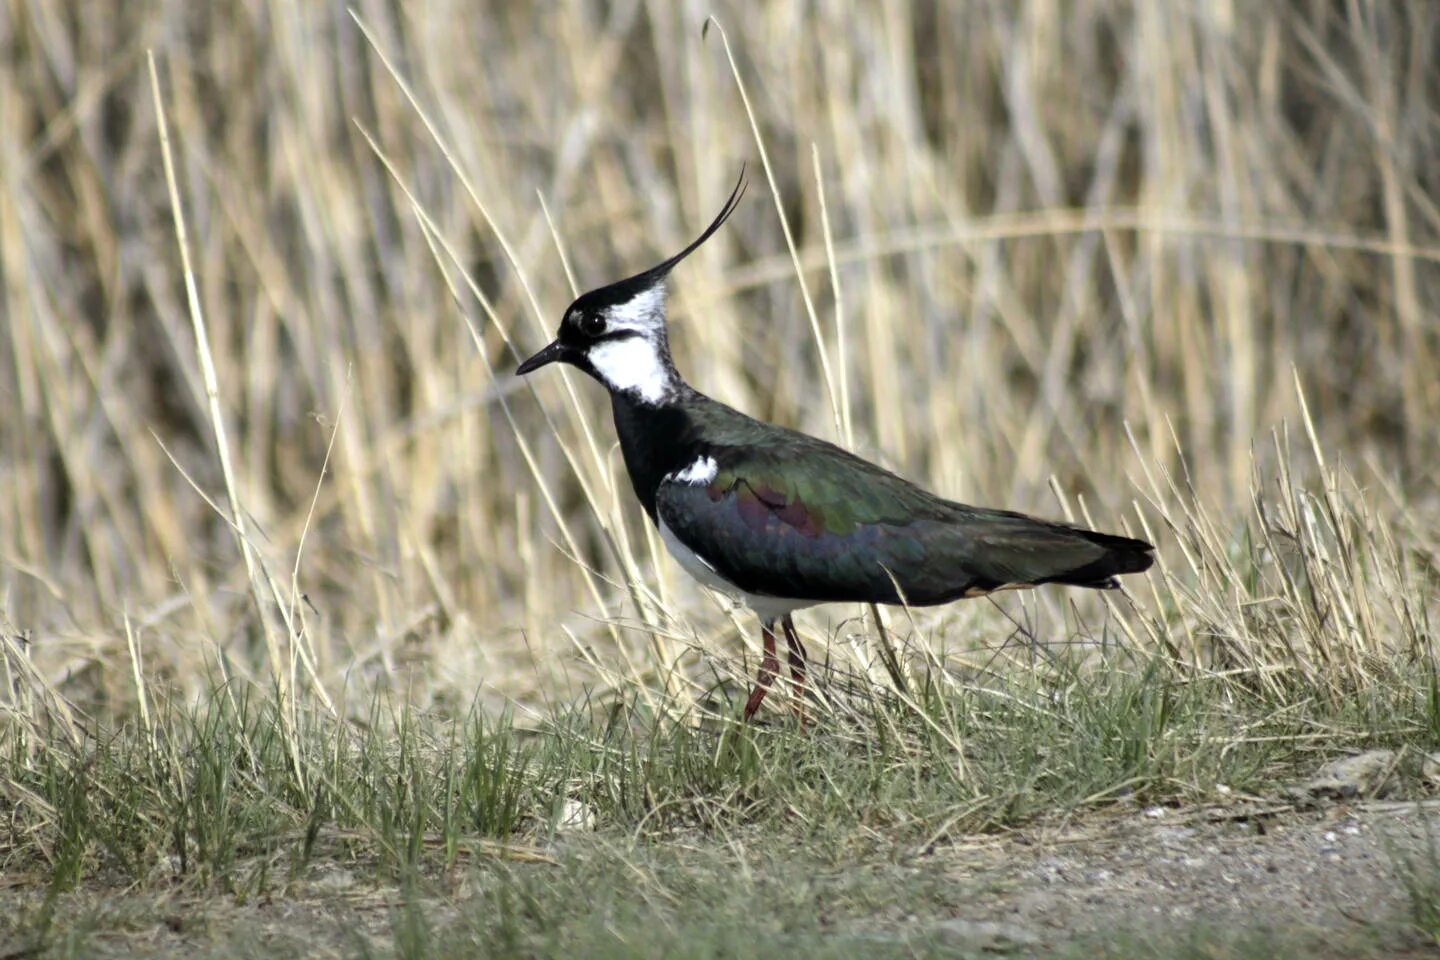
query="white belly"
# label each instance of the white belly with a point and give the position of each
(766, 608)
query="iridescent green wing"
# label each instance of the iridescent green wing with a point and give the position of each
(791, 516)
(787, 515)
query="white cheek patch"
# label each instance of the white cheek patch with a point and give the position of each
(632, 364)
(642, 313)
(699, 473)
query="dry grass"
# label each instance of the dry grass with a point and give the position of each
(274, 514)
(1104, 252)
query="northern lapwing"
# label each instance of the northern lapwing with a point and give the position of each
(782, 520)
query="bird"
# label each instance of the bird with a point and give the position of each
(782, 520)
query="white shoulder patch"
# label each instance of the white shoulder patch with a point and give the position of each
(643, 312)
(699, 473)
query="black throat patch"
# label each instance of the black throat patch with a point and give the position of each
(654, 440)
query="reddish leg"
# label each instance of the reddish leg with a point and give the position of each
(769, 666)
(797, 667)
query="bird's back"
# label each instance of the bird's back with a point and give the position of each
(790, 515)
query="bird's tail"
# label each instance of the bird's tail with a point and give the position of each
(1122, 555)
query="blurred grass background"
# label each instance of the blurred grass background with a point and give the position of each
(1092, 249)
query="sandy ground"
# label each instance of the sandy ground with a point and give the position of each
(1329, 872)
(1328, 869)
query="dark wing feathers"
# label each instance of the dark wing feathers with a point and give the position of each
(790, 515)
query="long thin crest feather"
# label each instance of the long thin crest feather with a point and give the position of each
(658, 271)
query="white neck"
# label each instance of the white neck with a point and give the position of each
(635, 365)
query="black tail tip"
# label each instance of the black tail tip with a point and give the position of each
(1134, 556)
(1123, 555)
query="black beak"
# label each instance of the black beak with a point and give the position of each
(549, 355)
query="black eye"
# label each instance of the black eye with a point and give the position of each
(592, 324)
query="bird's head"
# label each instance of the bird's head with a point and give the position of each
(617, 333)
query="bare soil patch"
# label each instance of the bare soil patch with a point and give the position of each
(1333, 870)
(1326, 882)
